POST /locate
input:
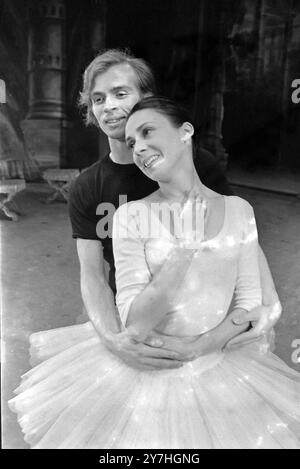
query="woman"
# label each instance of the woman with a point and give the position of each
(181, 255)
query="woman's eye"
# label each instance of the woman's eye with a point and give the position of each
(130, 145)
(121, 94)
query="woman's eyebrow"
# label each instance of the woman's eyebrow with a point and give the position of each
(138, 129)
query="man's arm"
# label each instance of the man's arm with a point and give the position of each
(96, 294)
(234, 330)
(263, 317)
(99, 303)
(212, 341)
(269, 294)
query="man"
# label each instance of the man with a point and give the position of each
(113, 83)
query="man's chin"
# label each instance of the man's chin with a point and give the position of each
(117, 134)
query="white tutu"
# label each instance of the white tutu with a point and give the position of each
(81, 396)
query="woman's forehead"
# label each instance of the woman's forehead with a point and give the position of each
(146, 116)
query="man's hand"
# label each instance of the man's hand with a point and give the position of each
(192, 347)
(214, 340)
(147, 356)
(262, 319)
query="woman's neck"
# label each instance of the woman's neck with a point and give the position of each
(119, 152)
(181, 184)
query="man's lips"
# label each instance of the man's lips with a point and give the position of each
(113, 120)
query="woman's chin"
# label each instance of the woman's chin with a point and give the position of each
(156, 173)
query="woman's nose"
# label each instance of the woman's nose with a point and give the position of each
(139, 147)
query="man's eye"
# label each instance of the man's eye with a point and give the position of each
(121, 94)
(130, 145)
(98, 100)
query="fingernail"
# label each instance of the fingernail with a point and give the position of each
(156, 342)
(192, 356)
(238, 319)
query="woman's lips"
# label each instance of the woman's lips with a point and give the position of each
(151, 161)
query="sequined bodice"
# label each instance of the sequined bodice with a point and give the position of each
(222, 268)
(206, 292)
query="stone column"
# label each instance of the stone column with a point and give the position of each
(45, 125)
(212, 138)
(98, 43)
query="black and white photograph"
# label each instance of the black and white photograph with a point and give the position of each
(150, 226)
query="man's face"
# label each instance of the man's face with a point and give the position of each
(114, 94)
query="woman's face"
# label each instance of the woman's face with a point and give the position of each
(156, 143)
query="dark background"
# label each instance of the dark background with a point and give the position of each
(231, 62)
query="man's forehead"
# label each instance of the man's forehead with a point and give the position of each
(114, 77)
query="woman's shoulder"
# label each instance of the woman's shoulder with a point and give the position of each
(240, 211)
(238, 202)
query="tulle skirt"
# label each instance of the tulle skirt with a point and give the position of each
(81, 396)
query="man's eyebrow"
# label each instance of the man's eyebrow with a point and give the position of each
(97, 93)
(121, 87)
(115, 88)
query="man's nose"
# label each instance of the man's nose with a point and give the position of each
(110, 103)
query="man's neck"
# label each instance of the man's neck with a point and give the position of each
(119, 152)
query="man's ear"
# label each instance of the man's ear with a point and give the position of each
(187, 131)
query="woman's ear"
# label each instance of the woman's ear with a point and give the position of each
(187, 131)
(148, 94)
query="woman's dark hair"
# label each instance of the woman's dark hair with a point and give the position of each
(169, 108)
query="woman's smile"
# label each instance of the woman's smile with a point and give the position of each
(154, 140)
(151, 161)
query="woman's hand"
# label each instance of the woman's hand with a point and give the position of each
(141, 355)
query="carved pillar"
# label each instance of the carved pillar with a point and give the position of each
(212, 138)
(45, 125)
(98, 43)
